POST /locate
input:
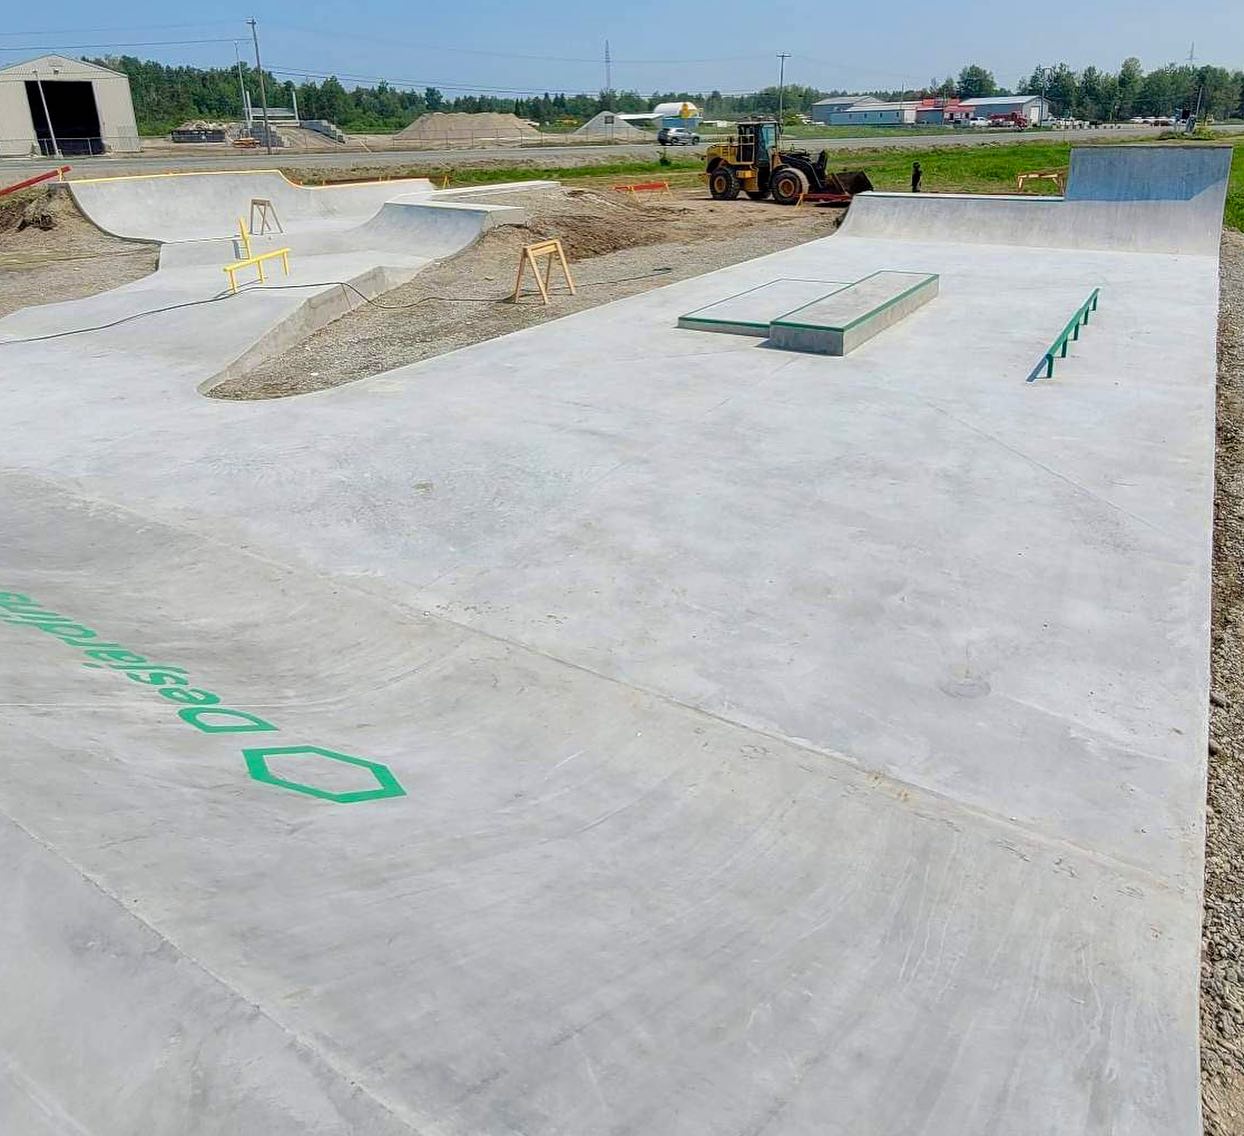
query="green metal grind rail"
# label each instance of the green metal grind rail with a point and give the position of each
(1070, 332)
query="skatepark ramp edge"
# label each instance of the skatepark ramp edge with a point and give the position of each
(1157, 199)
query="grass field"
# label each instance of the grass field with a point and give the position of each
(1234, 217)
(974, 169)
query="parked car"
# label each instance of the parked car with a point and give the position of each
(677, 136)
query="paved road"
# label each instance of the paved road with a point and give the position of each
(551, 155)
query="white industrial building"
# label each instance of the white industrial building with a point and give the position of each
(875, 114)
(59, 106)
(1032, 107)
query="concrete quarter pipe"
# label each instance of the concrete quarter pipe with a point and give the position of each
(618, 728)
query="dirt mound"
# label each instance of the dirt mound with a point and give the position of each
(37, 209)
(592, 224)
(617, 247)
(50, 252)
(441, 129)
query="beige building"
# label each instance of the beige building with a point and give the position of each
(54, 105)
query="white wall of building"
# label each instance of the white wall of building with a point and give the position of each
(113, 103)
(883, 114)
(17, 131)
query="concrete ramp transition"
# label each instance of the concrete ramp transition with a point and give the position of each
(197, 206)
(1123, 198)
(617, 728)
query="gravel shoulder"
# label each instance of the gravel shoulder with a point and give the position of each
(50, 252)
(616, 248)
(1222, 967)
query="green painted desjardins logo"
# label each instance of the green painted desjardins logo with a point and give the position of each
(202, 709)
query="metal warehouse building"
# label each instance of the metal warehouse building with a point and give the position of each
(835, 104)
(1032, 107)
(54, 105)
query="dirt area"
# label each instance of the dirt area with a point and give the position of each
(50, 252)
(617, 247)
(1222, 965)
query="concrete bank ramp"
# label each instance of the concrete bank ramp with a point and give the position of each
(194, 206)
(1123, 198)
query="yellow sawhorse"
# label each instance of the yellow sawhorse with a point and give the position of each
(267, 216)
(1058, 177)
(549, 250)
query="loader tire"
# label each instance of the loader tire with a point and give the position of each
(723, 184)
(789, 185)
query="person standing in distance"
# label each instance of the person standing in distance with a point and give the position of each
(916, 174)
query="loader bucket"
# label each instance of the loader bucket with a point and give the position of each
(849, 182)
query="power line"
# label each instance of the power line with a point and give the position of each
(423, 46)
(140, 28)
(48, 47)
(415, 84)
(412, 83)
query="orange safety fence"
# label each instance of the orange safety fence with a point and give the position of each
(58, 173)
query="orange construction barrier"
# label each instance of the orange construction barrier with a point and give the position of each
(638, 187)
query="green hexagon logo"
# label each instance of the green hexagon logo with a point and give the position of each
(257, 764)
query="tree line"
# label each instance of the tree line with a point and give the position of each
(165, 96)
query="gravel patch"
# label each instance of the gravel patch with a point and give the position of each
(1222, 965)
(49, 252)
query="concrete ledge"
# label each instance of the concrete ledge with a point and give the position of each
(751, 312)
(837, 324)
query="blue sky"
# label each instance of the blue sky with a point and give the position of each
(519, 48)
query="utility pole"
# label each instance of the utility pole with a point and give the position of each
(608, 69)
(246, 112)
(47, 117)
(783, 56)
(1200, 89)
(263, 94)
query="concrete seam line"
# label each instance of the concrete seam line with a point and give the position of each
(353, 1079)
(895, 789)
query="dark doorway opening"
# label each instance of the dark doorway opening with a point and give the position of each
(75, 117)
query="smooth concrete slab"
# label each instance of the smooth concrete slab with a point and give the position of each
(777, 755)
(837, 324)
(752, 311)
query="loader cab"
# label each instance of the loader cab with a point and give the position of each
(756, 142)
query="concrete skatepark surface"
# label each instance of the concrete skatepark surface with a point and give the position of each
(784, 744)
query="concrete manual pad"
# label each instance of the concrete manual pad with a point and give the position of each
(839, 323)
(752, 753)
(751, 312)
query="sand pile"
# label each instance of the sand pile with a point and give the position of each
(450, 130)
